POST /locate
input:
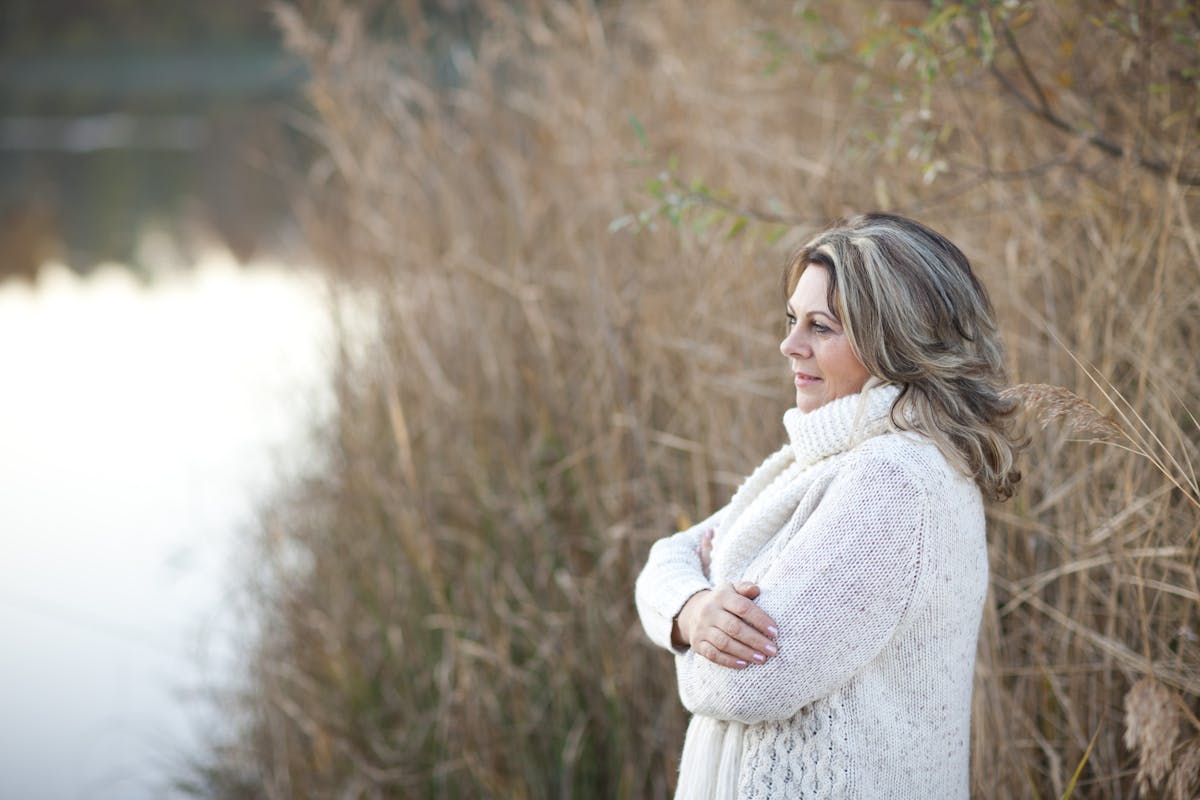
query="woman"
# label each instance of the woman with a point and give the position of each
(825, 621)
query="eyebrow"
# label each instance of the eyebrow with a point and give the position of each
(812, 313)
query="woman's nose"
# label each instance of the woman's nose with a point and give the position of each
(793, 345)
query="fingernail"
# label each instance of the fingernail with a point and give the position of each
(759, 657)
(772, 649)
(740, 663)
(771, 629)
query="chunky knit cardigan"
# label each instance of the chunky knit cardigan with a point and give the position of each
(869, 550)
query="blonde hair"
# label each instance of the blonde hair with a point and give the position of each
(917, 316)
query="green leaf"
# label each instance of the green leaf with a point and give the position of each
(673, 214)
(987, 38)
(638, 130)
(1171, 120)
(657, 186)
(621, 222)
(706, 220)
(943, 17)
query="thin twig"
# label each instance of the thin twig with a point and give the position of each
(1025, 70)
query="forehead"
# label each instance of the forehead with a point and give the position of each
(811, 292)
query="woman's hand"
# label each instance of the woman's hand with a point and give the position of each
(726, 626)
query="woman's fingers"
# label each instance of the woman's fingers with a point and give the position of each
(717, 645)
(710, 651)
(744, 642)
(727, 630)
(747, 589)
(758, 646)
(742, 605)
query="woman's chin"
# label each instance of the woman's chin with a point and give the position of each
(807, 404)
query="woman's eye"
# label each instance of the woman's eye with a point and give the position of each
(821, 329)
(791, 320)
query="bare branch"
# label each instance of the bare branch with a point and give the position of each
(1041, 109)
(1025, 70)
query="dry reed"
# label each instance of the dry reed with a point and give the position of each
(446, 602)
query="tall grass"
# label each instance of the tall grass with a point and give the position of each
(447, 602)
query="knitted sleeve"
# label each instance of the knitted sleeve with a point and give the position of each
(672, 575)
(841, 586)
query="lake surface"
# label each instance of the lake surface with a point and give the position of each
(140, 426)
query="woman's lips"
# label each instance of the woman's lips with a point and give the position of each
(804, 379)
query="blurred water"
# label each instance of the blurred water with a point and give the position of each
(139, 427)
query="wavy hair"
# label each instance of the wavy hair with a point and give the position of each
(917, 317)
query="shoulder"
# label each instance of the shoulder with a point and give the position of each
(908, 458)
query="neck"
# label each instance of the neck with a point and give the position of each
(840, 424)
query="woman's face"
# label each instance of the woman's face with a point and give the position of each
(824, 365)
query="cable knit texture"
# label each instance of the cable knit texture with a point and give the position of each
(869, 549)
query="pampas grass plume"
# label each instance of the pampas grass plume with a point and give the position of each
(1056, 404)
(1184, 783)
(1151, 728)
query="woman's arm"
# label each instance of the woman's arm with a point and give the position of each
(672, 574)
(837, 592)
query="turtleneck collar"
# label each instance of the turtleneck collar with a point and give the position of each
(841, 423)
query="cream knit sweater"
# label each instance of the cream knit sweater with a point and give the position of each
(869, 549)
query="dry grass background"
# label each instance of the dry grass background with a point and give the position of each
(447, 603)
